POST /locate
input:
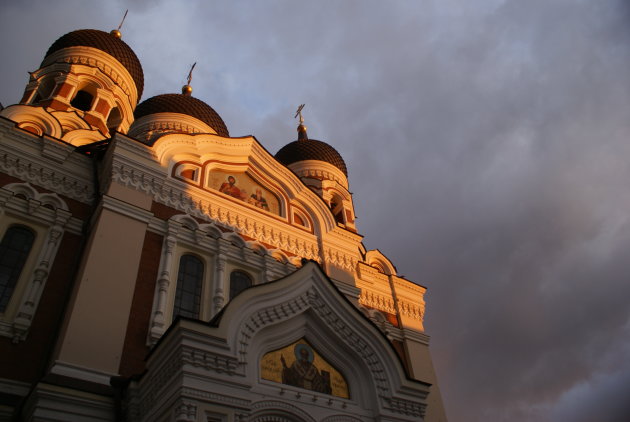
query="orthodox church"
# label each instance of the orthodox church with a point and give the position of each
(154, 268)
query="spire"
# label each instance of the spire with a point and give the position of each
(301, 128)
(116, 32)
(187, 89)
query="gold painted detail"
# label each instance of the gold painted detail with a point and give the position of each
(244, 188)
(198, 205)
(300, 365)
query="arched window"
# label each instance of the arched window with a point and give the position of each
(114, 119)
(189, 280)
(82, 101)
(14, 248)
(239, 281)
(336, 206)
(44, 90)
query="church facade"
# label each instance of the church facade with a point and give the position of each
(154, 268)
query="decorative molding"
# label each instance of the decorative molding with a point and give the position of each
(81, 373)
(218, 249)
(185, 411)
(320, 170)
(411, 310)
(37, 118)
(208, 361)
(378, 301)
(220, 398)
(408, 285)
(47, 177)
(274, 410)
(116, 72)
(405, 407)
(46, 209)
(341, 259)
(341, 418)
(149, 128)
(155, 382)
(311, 300)
(210, 206)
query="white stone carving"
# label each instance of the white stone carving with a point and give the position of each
(47, 209)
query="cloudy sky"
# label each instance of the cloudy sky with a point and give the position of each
(488, 153)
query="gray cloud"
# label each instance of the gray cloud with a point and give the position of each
(487, 145)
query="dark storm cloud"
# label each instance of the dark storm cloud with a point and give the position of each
(487, 146)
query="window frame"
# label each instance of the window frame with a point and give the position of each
(48, 216)
(202, 283)
(229, 282)
(6, 224)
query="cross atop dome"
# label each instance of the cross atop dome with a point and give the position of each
(187, 89)
(301, 128)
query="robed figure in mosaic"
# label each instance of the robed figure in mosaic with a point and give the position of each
(302, 373)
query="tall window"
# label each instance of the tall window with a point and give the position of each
(14, 248)
(239, 281)
(189, 280)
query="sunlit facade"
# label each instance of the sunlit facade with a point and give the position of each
(153, 268)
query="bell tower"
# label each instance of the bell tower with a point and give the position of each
(86, 88)
(323, 170)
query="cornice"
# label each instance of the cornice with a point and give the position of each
(36, 160)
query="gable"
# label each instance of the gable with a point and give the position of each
(206, 161)
(243, 348)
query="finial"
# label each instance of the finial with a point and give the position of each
(187, 89)
(299, 113)
(301, 128)
(116, 32)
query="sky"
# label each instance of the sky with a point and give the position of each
(487, 149)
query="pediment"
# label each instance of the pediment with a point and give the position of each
(303, 314)
(306, 307)
(207, 161)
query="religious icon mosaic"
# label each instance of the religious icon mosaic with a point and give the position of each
(300, 365)
(243, 187)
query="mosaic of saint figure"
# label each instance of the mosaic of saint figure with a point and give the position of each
(258, 200)
(229, 188)
(302, 373)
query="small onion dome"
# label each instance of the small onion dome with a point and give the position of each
(183, 104)
(106, 42)
(310, 149)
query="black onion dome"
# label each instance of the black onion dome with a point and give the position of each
(107, 43)
(183, 104)
(311, 149)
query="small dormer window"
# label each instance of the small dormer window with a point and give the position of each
(82, 101)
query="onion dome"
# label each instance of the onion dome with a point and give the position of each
(183, 104)
(106, 42)
(310, 149)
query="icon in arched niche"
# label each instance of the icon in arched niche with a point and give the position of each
(300, 365)
(243, 187)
